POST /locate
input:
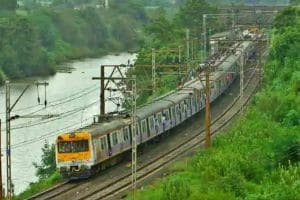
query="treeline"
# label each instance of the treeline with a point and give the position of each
(162, 34)
(259, 156)
(34, 42)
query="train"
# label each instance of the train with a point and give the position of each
(81, 153)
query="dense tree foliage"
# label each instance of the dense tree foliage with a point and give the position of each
(8, 5)
(47, 166)
(35, 42)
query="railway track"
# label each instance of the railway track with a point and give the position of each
(115, 186)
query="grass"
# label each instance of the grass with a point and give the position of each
(40, 186)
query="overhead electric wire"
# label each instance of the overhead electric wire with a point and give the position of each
(62, 99)
(62, 115)
(45, 136)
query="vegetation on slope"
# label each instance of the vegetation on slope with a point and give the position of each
(258, 157)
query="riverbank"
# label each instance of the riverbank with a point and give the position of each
(35, 42)
(258, 156)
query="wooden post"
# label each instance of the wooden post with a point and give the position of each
(207, 109)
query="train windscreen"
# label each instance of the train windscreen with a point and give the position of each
(73, 146)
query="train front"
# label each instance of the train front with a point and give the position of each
(73, 155)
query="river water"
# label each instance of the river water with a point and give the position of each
(73, 99)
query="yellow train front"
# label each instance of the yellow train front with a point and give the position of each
(74, 155)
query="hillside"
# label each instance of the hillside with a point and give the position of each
(258, 157)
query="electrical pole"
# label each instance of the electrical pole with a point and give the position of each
(8, 137)
(187, 44)
(102, 91)
(8, 119)
(242, 81)
(153, 73)
(133, 136)
(204, 36)
(179, 54)
(207, 108)
(1, 184)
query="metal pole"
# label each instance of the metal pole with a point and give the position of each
(242, 81)
(1, 184)
(192, 49)
(187, 44)
(133, 136)
(153, 72)
(260, 62)
(179, 54)
(102, 92)
(204, 36)
(8, 149)
(207, 109)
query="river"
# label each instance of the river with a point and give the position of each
(72, 97)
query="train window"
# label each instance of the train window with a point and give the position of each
(144, 126)
(158, 117)
(73, 147)
(126, 133)
(151, 123)
(114, 137)
(103, 143)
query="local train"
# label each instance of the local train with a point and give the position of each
(82, 152)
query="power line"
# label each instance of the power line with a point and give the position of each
(63, 115)
(47, 135)
(65, 99)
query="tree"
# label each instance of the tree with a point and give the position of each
(8, 5)
(294, 2)
(48, 164)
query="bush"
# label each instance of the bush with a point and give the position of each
(176, 188)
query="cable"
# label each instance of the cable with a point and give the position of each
(61, 99)
(65, 114)
(45, 136)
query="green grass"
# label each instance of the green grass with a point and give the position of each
(39, 186)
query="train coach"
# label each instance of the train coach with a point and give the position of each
(83, 152)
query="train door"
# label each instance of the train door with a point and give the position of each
(178, 114)
(183, 110)
(126, 137)
(158, 123)
(144, 130)
(188, 108)
(104, 153)
(115, 147)
(151, 123)
(173, 116)
(166, 120)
